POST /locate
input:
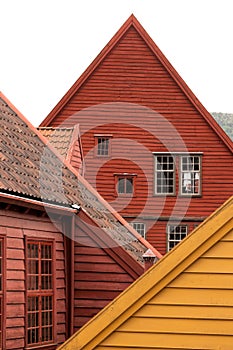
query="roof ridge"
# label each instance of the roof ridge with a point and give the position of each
(132, 21)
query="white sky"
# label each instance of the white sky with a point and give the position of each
(47, 44)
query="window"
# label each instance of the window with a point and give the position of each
(125, 183)
(102, 144)
(176, 234)
(39, 292)
(1, 290)
(165, 175)
(190, 175)
(140, 227)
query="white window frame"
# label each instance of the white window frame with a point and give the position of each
(140, 227)
(159, 171)
(190, 175)
(173, 238)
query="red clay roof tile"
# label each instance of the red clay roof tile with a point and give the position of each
(32, 168)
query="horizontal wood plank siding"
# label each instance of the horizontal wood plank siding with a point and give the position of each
(194, 311)
(98, 278)
(131, 95)
(18, 226)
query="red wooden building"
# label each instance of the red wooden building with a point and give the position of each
(64, 252)
(150, 147)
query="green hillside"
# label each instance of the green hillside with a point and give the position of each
(225, 120)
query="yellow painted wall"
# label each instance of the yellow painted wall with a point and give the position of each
(194, 311)
(185, 301)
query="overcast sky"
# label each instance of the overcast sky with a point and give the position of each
(47, 44)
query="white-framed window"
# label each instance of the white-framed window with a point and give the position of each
(175, 234)
(190, 175)
(140, 227)
(164, 174)
(185, 166)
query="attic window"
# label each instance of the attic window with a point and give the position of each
(102, 145)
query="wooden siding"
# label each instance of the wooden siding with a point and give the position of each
(196, 306)
(99, 275)
(183, 302)
(125, 95)
(15, 227)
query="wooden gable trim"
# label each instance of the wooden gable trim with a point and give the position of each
(154, 280)
(117, 253)
(132, 21)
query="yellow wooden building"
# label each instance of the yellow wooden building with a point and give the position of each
(185, 301)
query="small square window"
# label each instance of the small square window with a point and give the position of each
(176, 234)
(140, 227)
(125, 184)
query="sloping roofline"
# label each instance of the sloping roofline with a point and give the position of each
(82, 180)
(132, 21)
(154, 280)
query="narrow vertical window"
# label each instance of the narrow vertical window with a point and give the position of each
(39, 293)
(190, 175)
(103, 146)
(1, 290)
(175, 235)
(164, 174)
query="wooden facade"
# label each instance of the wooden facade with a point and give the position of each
(64, 252)
(182, 302)
(133, 97)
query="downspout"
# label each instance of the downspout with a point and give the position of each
(72, 237)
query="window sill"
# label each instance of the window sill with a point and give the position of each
(51, 346)
(190, 195)
(164, 195)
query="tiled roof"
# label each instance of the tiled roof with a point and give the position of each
(32, 168)
(60, 138)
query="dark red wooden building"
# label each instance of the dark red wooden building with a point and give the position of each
(64, 252)
(150, 147)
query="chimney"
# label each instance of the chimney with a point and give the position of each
(149, 259)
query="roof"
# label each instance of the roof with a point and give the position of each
(111, 323)
(133, 22)
(67, 141)
(60, 138)
(30, 167)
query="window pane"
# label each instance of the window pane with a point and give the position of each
(165, 175)
(40, 306)
(140, 228)
(103, 146)
(121, 185)
(176, 234)
(190, 175)
(129, 185)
